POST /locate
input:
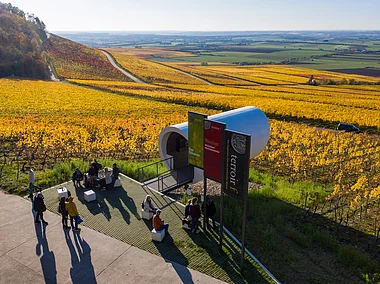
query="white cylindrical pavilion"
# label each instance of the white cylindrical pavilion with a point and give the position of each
(251, 120)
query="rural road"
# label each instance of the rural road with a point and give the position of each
(129, 75)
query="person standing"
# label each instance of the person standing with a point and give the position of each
(115, 172)
(210, 211)
(158, 224)
(77, 177)
(63, 211)
(73, 213)
(40, 208)
(31, 180)
(195, 213)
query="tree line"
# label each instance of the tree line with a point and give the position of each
(21, 49)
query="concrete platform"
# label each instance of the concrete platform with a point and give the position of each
(31, 253)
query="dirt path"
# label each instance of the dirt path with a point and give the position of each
(192, 76)
(129, 75)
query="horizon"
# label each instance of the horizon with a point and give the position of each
(210, 16)
(211, 31)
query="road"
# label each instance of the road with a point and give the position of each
(129, 75)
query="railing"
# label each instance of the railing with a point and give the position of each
(175, 179)
(151, 171)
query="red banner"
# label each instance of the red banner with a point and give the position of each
(213, 139)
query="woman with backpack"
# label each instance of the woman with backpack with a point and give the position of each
(62, 210)
(73, 212)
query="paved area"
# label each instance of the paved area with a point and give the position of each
(31, 253)
(116, 213)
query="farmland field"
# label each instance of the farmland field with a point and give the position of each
(96, 112)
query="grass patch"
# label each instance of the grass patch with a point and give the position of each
(16, 182)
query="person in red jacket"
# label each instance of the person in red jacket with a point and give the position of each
(158, 224)
(195, 213)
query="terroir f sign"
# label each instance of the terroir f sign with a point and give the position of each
(237, 163)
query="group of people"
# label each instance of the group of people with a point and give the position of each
(192, 214)
(157, 222)
(105, 181)
(66, 208)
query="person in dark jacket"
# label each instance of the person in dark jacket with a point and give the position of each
(195, 213)
(63, 211)
(96, 166)
(187, 208)
(40, 208)
(210, 212)
(92, 174)
(115, 172)
(186, 221)
(77, 177)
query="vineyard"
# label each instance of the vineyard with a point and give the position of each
(80, 123)
(72, 60)
(153, 72)
(96, 113)
(147, 53)
(46, 122)
(298, 102)
(268, 75)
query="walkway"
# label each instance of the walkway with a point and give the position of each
(129, 75)
(30, 253)
(116, 213)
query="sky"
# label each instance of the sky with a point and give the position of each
(203, 15)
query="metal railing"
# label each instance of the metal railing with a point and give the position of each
(175, 179)
(152, 171)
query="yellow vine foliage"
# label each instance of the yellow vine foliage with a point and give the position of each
(72, 60)
(153, 72)
(314, 103)
(65, 121)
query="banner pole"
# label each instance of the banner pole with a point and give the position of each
(223, 187)
(243, 232)
(246, 180)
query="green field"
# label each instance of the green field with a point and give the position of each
(350, 61)
(263, 57)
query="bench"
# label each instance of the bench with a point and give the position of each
(158, 235)
(89, 195)
(62, 192)
(146, 215)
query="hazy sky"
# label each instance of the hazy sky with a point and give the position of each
(203, 15)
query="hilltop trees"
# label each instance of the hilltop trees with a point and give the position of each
(21, 38)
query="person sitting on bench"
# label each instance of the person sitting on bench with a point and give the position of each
(148, 205)
(158, 224)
